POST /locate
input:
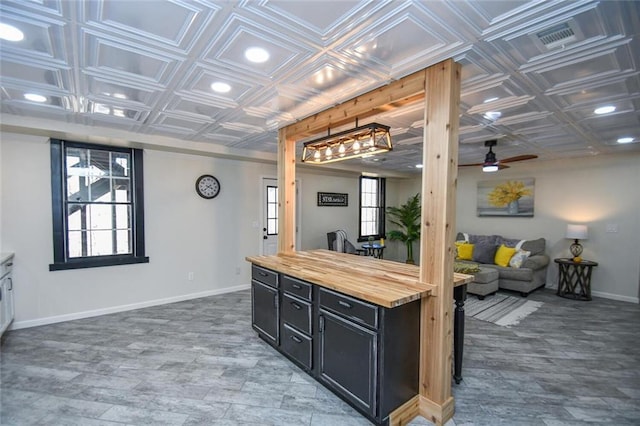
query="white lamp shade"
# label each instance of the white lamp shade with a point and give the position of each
(577, 232)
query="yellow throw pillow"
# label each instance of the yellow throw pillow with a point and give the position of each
(503, 255)
(465, 250)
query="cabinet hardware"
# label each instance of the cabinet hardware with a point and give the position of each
(262, 274)
(296, 286)
(321, 324)
(344, 304)
(296, 339)
(295, 305)
(10, 284)
(9, 265)
(275, 301)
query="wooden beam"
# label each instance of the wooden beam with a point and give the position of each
(401, 92)
(439, 178)
(286, 192)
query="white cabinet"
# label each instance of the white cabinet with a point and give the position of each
(6, 291)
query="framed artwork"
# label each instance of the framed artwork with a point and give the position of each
(512, 197)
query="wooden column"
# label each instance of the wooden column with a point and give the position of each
(286, 192)
(439, 179)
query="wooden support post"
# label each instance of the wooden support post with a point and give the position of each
(286, 192)
(439, 179)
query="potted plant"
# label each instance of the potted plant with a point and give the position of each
(407, 218)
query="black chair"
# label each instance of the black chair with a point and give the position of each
(337, 241)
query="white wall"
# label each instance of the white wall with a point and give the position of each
(595, 191)
(184, 233)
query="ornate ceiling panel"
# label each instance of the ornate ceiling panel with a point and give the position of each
(533, 72)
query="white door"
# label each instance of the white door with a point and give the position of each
(270, 217)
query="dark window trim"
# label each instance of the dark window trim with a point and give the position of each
(60, 260)
(382, 182)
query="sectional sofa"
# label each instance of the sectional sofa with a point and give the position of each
(526, 263)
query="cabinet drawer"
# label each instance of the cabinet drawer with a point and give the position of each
(296, 345)
(296, 313)
(265, 276)
(294, 286)
(353, 309)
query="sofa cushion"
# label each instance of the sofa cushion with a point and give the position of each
(536, 262)
(518, 274)
(484, 252)
(518, 258)
(503, 255)
(534, 246)
(465, 251)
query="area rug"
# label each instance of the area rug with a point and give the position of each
(500, 309)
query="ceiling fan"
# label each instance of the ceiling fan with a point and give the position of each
(492, 164)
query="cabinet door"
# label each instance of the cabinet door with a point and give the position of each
(348, 360)
(264, 311)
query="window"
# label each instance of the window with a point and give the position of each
(97, 205)
(372, 207)
(272, 210)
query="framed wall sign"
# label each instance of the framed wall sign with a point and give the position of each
(333, 199)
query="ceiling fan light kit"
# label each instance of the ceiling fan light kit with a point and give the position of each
(492, 164)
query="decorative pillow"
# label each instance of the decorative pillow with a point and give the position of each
(503, 255)
(518, 258)
(466, 268)
(465, 250)
(484, 253)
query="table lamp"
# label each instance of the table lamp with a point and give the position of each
(576, 233)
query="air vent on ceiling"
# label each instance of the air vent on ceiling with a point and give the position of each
(558, 35)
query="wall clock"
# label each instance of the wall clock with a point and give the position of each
(207, 186)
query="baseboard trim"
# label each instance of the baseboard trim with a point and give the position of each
(615, 297)
(123, 308)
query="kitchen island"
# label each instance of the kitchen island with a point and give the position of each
(351, 322)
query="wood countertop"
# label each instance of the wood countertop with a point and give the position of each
(383, 282)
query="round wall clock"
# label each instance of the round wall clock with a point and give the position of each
(207, 186)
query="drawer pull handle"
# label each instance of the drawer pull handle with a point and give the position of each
(296, 339)
(344, 304)
(295, 305)
(263, 274)
(9, 264)
(296, 286)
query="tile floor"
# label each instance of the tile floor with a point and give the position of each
(199, 363)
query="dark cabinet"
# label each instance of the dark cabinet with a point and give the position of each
(265, 302)
(366, 354)
(348, 356)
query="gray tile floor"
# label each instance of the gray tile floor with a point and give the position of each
(199, 363)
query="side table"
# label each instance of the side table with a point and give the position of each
(574, 278)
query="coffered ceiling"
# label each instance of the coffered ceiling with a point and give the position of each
(533, 72)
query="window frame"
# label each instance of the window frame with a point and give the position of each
(381, 209)
(61, 259)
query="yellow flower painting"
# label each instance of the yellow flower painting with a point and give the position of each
(512, 197)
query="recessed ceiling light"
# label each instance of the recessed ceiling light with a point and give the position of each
(419, 166)
(625, 140)
(605, 109)
(486, 101)
(10, 33)
(220, 87)
(492, 115)
(256, 54)
(34, 97)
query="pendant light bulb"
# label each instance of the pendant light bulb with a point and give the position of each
(316, 156)
(341, 150)
(328, 152)
(356, 147)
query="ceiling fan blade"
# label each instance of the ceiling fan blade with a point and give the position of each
(519, 158)
(468, 165)
(502, 166)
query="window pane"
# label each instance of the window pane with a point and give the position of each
(75, 243)
(122, 190)
(99, 162)
(100, 190)
(76, 216)
(123, 241)
(123, 216)
(120, 164)
(99, 216)
(100, 243)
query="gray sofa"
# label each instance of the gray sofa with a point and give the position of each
(529, 276)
